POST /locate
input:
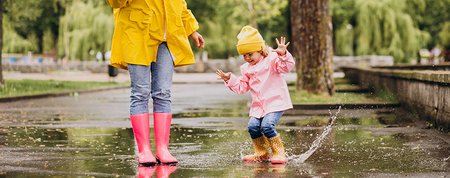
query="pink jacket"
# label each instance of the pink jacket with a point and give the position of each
(266, 84)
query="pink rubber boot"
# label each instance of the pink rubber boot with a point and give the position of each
(162, 134)
(141, 131)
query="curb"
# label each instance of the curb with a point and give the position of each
(198, 82)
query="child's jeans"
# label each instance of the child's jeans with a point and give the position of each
(161, 73)
(265, 125)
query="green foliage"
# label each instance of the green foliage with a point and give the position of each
(221, 21)
(13, 42)
(28, 20)
(48, 41)
(86, 26)
(343, 11)
(383, 27)
(445, 36)
(398, 28)
(73, 24)
(344, 40)
(386, 95)
(430, 16)
(275, 26)
(220, 39)
(79, 27)
(22, 14)
(386, 27)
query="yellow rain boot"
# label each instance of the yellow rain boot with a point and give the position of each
(261, 146)
(279, 154)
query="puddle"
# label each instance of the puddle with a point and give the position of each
(209, 141)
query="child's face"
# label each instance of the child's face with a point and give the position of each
(253, 57)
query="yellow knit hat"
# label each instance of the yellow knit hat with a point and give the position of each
(249, 40)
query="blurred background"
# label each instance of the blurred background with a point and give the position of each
(81, 30)
(70, 40)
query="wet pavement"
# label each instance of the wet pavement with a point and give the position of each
(90, 135)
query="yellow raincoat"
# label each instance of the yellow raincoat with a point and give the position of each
(141, 25)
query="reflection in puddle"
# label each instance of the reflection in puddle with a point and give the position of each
(162, 171)
(212, 152)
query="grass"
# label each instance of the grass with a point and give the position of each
(303, 97)
(13, 88)
(339, 83)
(346, 87)
(385, 95)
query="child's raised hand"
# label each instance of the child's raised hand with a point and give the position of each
(282, 46)
(224, 76)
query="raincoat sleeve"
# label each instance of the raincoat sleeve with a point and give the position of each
(283, 63)
(189, 21)
(118, 3)
(238, 85)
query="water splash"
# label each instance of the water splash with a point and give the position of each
(245, 146)
(318, 141)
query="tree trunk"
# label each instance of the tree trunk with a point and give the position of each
(446, 54)
(312, 45)
(1, 42)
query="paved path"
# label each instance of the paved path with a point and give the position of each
(122, 77)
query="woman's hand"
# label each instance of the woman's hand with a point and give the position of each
(198, 39)
(224, 76)
(282, 46)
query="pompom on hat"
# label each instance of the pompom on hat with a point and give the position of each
(249, 40)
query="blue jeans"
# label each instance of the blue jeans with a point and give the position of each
(159, 86)
(264, 125)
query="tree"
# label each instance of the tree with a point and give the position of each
(85, 27)
(13, 42)
(312, 44)
(1, 43)
(20, 17)
(384, 27)
(26, 25)
(430, 17)
(344, 20)
(445, 41)
(220, 22)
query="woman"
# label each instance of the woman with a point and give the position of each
(150, 39)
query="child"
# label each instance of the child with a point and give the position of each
(263, 76)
